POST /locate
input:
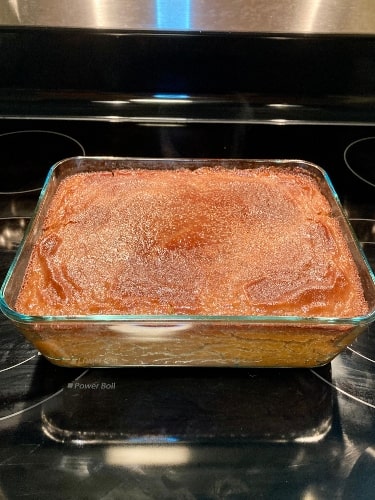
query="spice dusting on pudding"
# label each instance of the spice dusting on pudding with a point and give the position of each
(210, 241)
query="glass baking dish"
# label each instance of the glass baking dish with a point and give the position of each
(98, 340)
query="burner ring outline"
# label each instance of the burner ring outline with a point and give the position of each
(39, 131)
(363, 139)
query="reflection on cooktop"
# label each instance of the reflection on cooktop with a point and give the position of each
(12, 230)
(231, 405)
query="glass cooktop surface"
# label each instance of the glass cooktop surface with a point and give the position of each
(187, 433)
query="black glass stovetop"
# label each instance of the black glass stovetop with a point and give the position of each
(184, 433)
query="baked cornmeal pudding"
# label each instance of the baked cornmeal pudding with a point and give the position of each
(203, 242)
(206, 242)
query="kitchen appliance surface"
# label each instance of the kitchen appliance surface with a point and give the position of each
(209, 433)
(185, 432)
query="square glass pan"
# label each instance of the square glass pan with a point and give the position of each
(183, 340)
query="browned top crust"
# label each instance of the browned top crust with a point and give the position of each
(211, 241)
